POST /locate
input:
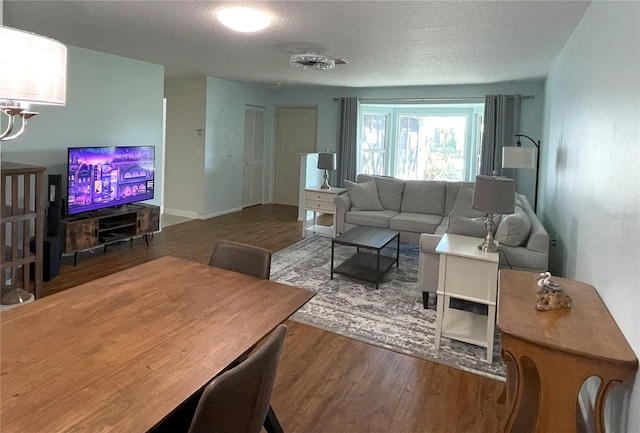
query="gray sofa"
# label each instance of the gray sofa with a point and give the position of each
(422, 211)
(410, 207)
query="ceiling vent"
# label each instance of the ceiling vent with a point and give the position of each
(314, 61)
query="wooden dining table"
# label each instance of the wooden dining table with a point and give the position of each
(120, 353)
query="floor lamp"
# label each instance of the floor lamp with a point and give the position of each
(520, 157)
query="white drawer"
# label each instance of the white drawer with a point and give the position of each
(320, 205)
(320, 196)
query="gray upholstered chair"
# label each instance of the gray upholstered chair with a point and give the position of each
(243, 258)
(249, 260)
(238, 400)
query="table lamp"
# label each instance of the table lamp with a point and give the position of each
(326, 162)
(493, 195)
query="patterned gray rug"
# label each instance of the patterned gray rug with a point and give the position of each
(391, 317)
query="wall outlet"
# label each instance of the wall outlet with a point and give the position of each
(199, 132)
(553, 242)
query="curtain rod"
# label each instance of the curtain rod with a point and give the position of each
(400, 100)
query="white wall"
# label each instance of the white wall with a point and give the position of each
(591, 189)
(111, 101)
(226, 102)
(185, 150)
(204, 174)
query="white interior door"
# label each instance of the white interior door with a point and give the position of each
(295, 134)
(253, 158)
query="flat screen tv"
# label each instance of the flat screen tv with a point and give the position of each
(102, 177)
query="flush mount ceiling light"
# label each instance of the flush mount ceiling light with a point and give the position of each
(243, 19)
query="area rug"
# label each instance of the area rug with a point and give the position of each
(391, 317)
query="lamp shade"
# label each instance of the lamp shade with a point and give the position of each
(33, 68)
(518, 157)
(327, 161)
(493, 194)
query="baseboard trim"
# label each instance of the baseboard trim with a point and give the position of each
(195, 216)
(181, 213)
(215, 214)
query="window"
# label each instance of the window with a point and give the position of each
(373, 143)
(436, 142)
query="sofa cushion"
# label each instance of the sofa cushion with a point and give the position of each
(514, 228)
(363, 196)
(415, 222)
(467, 226)
(462, 205)
(424, 197)
(451, 195)
(372, 218)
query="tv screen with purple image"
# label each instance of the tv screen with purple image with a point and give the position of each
(100, 177)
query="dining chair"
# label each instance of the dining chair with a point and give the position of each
(249, 260)
(243, 258)
(238, 400)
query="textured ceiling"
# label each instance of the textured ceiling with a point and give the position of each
(387, 43)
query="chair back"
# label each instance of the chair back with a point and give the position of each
(237, 401)
(243, 258)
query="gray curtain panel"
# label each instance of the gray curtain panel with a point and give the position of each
(501, 123)
(347, 141)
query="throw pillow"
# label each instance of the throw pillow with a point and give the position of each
(514, 228)
(518, 202)
(466, 226)
(390, 192)
(363, 196)
(464, 199)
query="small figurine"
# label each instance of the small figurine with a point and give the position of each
(550, 294)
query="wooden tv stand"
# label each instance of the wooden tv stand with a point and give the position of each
(108, 226)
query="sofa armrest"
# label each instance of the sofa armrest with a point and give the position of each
(524, 259)
(534, 255)
(538, 237)
(429, 264)
(343, 204)
(429, 242)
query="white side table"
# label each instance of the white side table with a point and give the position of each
(468, 273)
(320, 200)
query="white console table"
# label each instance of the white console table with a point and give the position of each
(317, 199)
(468, 273)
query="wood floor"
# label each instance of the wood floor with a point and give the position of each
(326, 383)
